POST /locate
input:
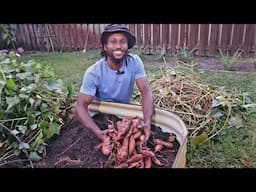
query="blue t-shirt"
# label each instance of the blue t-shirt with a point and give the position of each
(105, 84)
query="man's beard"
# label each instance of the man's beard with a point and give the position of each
(116, 61)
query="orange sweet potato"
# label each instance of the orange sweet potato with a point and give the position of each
(137, 135)
(164, 143)
(122, 165)
(142, 138)
(134, 164)
(107, 146)
(131, 145)
(122, 153)
(135, 158)
(171, 138)
(158, 147)
(156, 161)
(145, 152)
(147, 162)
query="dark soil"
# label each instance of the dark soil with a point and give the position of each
(75, 148)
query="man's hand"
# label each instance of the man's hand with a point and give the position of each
(101, 135)
(147, 130)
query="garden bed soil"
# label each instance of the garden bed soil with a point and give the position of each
(75, 146)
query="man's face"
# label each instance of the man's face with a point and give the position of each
(116, 47)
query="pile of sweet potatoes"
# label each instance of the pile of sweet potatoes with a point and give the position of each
(126, 144)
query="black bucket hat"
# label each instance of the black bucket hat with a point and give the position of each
(113, 28)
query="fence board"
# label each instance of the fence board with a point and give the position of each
(237, 38)
(225, 36)
(203, 39)
(32, 37)
(174, 37)
(249, 39)
(208, 37)
(193, 36)
(139, 34)
(165, 36)
(80, 36)
(183, 36)
(156, 36)
(213, 40)
(20, 35)
(147, 40)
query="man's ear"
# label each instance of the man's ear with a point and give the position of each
(104, 47)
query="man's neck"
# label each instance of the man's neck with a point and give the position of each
(114, 66)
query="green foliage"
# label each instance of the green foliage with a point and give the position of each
(7, 35)
(69, 67)
(185, 55)
(229, 61)
(31, 98)
(233, 148)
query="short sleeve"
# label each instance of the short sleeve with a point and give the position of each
(89, 83)
(140, 71)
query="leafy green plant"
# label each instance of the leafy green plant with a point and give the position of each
(7, 35)
(185, 55)
(31, 98)
(228, 60)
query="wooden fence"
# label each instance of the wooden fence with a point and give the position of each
(202, 39)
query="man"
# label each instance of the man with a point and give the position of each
(112, 78)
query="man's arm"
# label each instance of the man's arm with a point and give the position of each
(83, 116)
(147, 103)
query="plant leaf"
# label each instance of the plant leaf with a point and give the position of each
(11, 84)
(23, 146)
(11, 101)
(196, 140)
(53, 128)
(2, 80)
(33, 155)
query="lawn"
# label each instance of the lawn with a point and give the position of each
(234, 147)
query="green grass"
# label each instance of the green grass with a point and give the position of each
(69, 67)
(234, 147)
(243, 82)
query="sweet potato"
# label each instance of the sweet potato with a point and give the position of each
(107, 146)
(146, 153)
(135, 158)
(133, 164)
(158, 147)
(156, 161)
(122, 130)
(171, 138)
(122, 165)
(164, 143)
(147, 162)
(142, 138)
(122, 153)
(137, 135)
(140, 164)
(131, 145)
(135, 122)
(111, 126)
